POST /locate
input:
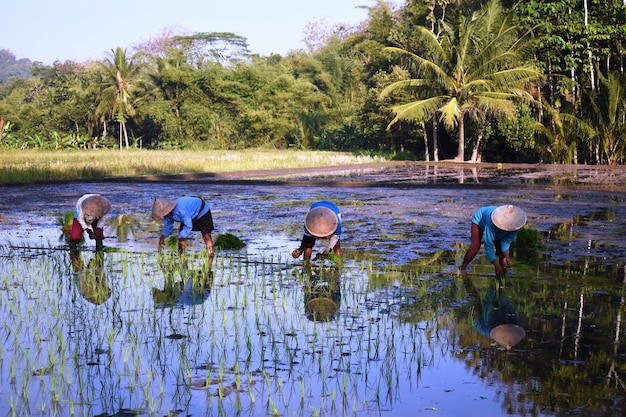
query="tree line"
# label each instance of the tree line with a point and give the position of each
(493, 80)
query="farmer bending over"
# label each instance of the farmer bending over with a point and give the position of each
(193, 213)
(498, 226)
(89, 217)
(323, 220)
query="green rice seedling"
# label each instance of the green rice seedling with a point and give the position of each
(527, 238)
(228, 241)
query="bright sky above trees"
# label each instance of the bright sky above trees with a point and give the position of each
(80, 30)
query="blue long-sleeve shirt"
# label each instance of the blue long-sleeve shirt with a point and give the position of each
(186, 210)
(482, 218)
(334, 208)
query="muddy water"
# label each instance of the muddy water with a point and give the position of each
(405, 232)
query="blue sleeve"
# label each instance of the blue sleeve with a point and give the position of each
(506, 241)
(489, 239)
(168, 225)
(186, 221)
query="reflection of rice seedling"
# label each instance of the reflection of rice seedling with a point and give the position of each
(124, 224)
(228, 241)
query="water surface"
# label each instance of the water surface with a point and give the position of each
(147, 335)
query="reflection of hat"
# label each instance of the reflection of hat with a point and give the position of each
(96, 206)
(508, 335)
(162, 207)
(508, 218)
(321, 221)
(322, 308)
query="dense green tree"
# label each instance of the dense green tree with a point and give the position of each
(562, 132)
(475, 64)
(169, 85)
(10, 67)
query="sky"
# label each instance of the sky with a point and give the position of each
(82, 30)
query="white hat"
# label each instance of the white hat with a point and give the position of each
(96, 206)
(321, 221)
(508, 335)
(508, 218)
(162, 207)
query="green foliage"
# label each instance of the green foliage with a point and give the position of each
(462, 61)
(228, 241)
(527, 238)
(473, 69)
(10, 67)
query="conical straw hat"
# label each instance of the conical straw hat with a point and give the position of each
(508, 218)
(508, 335)
(162, 207)
(321, 221)
(96, 206)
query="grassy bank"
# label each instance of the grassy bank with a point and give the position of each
(33, 165)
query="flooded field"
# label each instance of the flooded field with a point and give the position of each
(393, 330)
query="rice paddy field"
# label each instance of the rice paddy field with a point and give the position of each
(391, 329)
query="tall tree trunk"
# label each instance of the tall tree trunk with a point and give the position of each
(435, 141)
(461, 152)
(475, 156)
(425, 142)
(125, 134)
(591, 71)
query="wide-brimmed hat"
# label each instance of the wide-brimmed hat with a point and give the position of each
(321, 221)
(508, 218)
(162, 207)
(508, 335)
(96, 206)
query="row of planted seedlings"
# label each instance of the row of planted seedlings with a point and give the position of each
(159, 334)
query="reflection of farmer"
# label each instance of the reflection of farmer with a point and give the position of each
(90, 279)
(193, 289)
(495, 316)
(89, 217)
(323, 220)
(322, 295)
(498, 226)
(193, 213)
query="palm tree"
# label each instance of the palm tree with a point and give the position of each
(606, 110)
(561, 131)
(119, 85)
(472, 68)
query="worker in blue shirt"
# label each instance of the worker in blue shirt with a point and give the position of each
(193, 213)
(323, 220)
(498, 226)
